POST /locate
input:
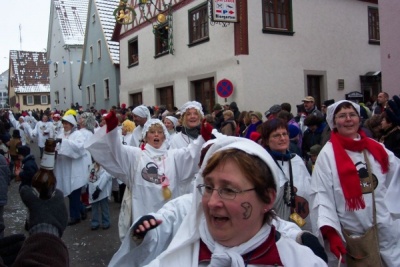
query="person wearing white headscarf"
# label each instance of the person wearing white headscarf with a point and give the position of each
(25, 130)
(155, 236)
(141, 114)
(234, 232)
(170, 123)
(70, 168)
(44, 129)
(341, 195)
(154, 173)
(192, 116)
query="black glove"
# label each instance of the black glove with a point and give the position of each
(10, 246)
(394, 111)
(49, 211)
(59, 140)
(311, 241)
(140, 222)
(96, 193)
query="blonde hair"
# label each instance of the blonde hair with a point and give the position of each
(183, 117)
(228, 113)
(129, 126)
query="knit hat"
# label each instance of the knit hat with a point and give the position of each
(16, 134)
(293, 131)
(257, 114)
(69, 118)
(314, 150)
(142, 111)
(332, 108)
(217, 107)
(23, 150)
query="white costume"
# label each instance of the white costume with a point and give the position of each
(42, 131)
(301, 182)
(329, 205)
(143, 112)
(58, 127)
(70, 168)
(87, 135)
(145, 171)
(184, 247)
(100, 179)
(25, 130)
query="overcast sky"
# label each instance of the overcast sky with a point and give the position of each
(33, 16)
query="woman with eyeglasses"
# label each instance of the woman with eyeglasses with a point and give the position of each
(342, 194)
(230, 220)
(292, 201)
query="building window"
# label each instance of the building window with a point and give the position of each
(106, 89)
(373, 25)
(43, 100)
(277, 16)
(55, 64)
(93, 18)
(161, 40)
(133, 51)
(91, 54)
(29, 100)
(204, 93)
(166, 97)
(136, 99)
(198, 24)
(99, 49)
(93, 93)
(88, 95)
(57, 98)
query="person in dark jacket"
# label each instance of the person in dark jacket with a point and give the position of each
(390, 134)
(4, 182)
(29, 166)
(47, 222)
(218, 116)
(233, 106)
(313, 134)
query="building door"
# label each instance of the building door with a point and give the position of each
(205, 94)
(166, 97)
(314, 88)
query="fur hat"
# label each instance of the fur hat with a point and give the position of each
(23, 150)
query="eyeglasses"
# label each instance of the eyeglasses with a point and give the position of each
(344, 116)
(279, 135)
(224, 193)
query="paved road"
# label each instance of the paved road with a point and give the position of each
(86, 247)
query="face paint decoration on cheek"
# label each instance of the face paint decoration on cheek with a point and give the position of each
(248, 208)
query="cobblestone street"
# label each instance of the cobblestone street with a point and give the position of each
(86, 247)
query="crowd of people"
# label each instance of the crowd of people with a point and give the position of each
(228, 188)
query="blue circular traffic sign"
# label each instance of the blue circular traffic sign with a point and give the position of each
(224, 88)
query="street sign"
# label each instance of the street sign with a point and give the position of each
(224, 11)
(224, 88)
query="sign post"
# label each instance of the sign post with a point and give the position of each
(224, 88)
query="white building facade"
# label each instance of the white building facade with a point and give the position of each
(319, 48)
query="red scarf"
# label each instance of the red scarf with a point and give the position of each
(348, 175)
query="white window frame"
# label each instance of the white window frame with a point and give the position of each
(32, 100)
(43, 99)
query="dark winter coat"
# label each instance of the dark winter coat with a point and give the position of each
(28, 170)
(218, 120)
(4, 180)
(312, 138)
(391, 140)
